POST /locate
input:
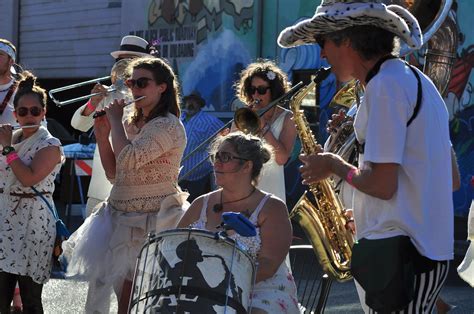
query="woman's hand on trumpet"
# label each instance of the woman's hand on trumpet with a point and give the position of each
(95, 100)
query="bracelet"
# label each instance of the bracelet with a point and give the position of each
(90, 106)
(12, 157)
(350, 176)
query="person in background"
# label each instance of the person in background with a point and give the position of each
(8, 86)
(466, 268)
(199, 126)
(261, 83)
(142, 160)
(403, 181)
(31, 157)
(238, 159)
(99, 187)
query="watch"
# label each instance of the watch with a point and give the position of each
(7, 150)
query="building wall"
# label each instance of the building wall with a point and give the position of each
(9, 20)
(68, 39)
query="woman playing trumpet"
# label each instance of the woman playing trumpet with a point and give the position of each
(261, 83)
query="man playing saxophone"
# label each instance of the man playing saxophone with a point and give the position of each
(403, 181)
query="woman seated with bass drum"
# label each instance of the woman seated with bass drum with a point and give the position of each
(238, 160)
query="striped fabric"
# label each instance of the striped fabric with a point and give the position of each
(427, 288)
(198, 129)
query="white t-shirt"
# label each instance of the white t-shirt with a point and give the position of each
(7, 116)
(422, 206)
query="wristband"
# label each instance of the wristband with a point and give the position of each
(350, 175)
(90, 106)
(12, 157)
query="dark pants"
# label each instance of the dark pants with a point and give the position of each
(428, 284)
(198, 187)
(30, 292)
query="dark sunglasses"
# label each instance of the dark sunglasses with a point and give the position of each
(224, 157)
(34, 111)
(262, 90)
(142, 82)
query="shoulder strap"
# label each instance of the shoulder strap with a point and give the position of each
(61, 229)
(203, 216)
(418, 96)
(257, 210)
(52, 209)
(361, 146)
(9, 94)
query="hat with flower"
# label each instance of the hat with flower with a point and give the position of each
(336, 15)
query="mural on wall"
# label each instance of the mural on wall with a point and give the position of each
(459, 101)
(207, 42)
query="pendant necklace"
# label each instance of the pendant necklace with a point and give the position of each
(220, 206)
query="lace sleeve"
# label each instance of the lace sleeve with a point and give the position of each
(157, 137)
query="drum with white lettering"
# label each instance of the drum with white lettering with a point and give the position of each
(192, 271)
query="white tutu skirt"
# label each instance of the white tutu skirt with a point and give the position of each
(105, 248)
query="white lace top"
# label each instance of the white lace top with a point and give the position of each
(147, 168)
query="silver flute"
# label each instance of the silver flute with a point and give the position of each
(100, 113)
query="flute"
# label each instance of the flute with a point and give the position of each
(102, 112)
(16, 127)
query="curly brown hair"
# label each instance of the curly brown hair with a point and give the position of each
(263, 69)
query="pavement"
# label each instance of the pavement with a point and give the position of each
(67, 296)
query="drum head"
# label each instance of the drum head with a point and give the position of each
(189, 270)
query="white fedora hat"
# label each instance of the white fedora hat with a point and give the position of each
(334, 15)
(132, 45)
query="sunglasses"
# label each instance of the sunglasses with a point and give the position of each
(262, 90)
(224, 157)
(34, 111)
(141, 83)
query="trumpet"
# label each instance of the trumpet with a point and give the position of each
(117, 76)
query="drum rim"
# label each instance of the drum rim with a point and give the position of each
(154, 237)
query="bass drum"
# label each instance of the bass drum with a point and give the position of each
(192, 271)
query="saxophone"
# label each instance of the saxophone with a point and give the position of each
(323, 218)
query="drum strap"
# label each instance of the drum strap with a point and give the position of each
(219, 298)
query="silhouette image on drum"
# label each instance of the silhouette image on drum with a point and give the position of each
(192, 271)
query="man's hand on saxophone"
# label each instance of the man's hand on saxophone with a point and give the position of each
(317, 167)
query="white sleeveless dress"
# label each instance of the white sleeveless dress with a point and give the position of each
(272, 179)
(274, 295)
